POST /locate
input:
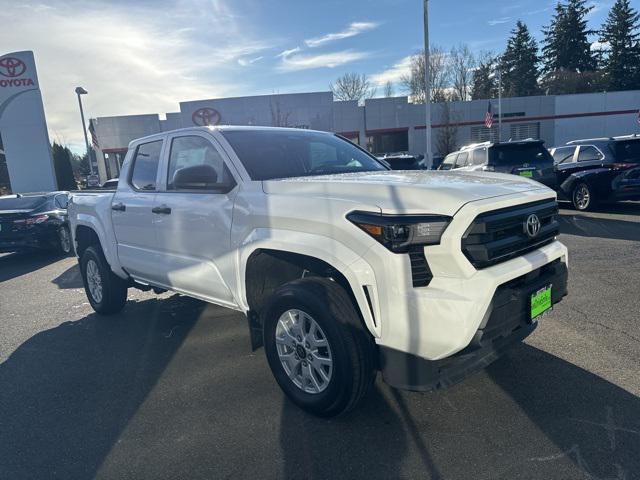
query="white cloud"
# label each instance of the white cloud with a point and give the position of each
(355, 28)
(245, 62)
(131, 58)
(499, 21)
(292, 60)
(393, 74)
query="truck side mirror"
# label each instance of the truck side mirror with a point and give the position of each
(197, 177)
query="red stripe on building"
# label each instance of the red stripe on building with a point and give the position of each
(531, 119)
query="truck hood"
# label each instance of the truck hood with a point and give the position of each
(440, 192)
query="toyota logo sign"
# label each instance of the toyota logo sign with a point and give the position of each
(532, 225)
(205, 117)
(12, 67)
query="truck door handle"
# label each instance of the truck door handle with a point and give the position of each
(119, 207)
(162, 209)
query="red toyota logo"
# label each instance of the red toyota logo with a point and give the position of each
(205, 117)
(12, 67)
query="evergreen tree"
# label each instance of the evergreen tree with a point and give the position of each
(484, 84)
(62, 166)
(566, 44)
(519, 63)
(621, 41)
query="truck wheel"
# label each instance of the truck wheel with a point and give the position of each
(64, 241)
(582, 197)
(107, 293)
(317, 349)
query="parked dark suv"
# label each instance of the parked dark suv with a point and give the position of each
(527, 158)
(598, 170)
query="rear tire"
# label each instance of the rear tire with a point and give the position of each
(582, 197)
(338, 345)
(64, 241)
(107, 293)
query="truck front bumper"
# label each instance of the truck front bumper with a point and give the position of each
(507, 322)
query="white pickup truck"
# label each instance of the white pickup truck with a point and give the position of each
(341, 266)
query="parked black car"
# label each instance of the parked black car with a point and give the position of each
(526, 158)
(598, 170)
(35, 221)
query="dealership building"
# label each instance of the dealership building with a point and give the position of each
(384, 125)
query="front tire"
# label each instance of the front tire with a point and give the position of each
(316, 346)
(582, 197)
(107, 293)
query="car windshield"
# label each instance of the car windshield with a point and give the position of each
(13, 202)
(628, 151)
(519, 153)
(269, 154)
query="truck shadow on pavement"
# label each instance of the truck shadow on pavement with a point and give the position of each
(586, 226)
(70, 278)
(68, 394)
(531, 415)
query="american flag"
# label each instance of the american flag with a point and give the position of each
(94, 136)
(488, 118)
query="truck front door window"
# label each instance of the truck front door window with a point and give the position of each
(194, 151)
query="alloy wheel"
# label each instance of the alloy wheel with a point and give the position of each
(304, 351)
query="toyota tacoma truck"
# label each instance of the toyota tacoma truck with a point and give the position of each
(342, 267)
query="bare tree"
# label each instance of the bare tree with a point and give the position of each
(439, 76)
(352, 86)
(447, 136)
(279, 118)
(462, 64)
(388, 89)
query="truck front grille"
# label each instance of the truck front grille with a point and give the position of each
(499, 235)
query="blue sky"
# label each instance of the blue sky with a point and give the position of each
(145, 56)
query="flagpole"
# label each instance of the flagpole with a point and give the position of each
(427, 87)
(499, 104)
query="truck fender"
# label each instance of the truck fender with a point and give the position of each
(107, 243)
(351, 265)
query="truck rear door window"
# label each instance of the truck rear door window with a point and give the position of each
(145, 166)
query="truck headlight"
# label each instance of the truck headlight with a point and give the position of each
(399, 232)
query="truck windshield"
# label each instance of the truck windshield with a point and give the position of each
(269, 154)
(628, 151)
(12, 202)
(518, 154)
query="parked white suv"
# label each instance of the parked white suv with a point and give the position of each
(341, 266)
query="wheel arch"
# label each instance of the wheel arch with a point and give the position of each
(267, 267)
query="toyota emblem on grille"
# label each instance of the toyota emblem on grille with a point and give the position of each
(532, 225)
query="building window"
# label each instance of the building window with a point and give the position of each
(390, 142)
(483, 134)
(522, 131)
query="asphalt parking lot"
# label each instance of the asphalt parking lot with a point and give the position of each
(170, 389)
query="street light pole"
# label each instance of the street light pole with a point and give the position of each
(427, 86)
(82, 91)
(499, 104)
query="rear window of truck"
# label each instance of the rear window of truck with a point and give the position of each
(627, 151)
